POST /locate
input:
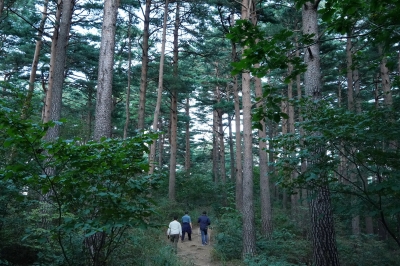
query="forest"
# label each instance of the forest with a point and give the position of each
(280, 118)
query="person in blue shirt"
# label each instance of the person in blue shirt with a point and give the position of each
(186, 226)
(204, 222)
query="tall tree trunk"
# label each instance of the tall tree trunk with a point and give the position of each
(323, 232)
(232, 156)
(221, 147)
(294, 197)
(160, 88)
(187, 146)
(161, 140)
(238, 138)
(89, 116)
(174, 112)
(303, 166)
(128, 89)
(350, 89)
(104, 106)
(265, 193)
(249, 236)
(58, 74)
(284, 132)
(215, 149)
(54, 38)
(102, 126)
(145, 64)
(387, 93)
(355, 220)
(32, 77)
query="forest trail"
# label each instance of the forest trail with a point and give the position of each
(193, 253)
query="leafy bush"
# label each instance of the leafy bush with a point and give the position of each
(229, 237)
(365, 250)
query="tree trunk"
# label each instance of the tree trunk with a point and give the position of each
(58, 74)
(349, 56)
(221, 147)
(89, 116)
(174, 112)
(102, 126)
(355, 220)
(265, 193)
(128, 89)
(215, 149)
(249, 236)
(284, 132)
(231, 154)
(32, 78)
(294, 197)
(161, 140)
(238, 138)
(187, 146)
(145, 65)
(54, 38)
(323, 233)
(160, 88)
(387, 93)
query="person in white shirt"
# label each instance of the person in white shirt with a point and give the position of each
(174, 232)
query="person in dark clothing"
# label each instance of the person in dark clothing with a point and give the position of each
(204, 222)
(186, 226)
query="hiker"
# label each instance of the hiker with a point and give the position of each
(186, 226)
(204, 222)
(174, 232)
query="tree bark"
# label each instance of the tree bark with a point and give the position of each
(349, 56)
(249, 238)
(58, 74)
(238, 138)
(387, 93)
(102, 126)
(221, 148)
(128, 89)
(32, 77)
(294, 197)
(187, 129)
(159, 89)
(265, 193)
(174, 112)
(323, 233)
(145, 65)
(54, 38)
(230, 136)
(215, 149)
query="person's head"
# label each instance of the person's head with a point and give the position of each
(204, 212)
(186, 212)
(175, 217)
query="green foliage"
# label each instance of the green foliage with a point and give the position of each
(229, 237)
(97, 187)
(372, 171)
(362, 251)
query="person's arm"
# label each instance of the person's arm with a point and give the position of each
(180, 230)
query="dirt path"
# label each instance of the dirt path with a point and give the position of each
(194, 253)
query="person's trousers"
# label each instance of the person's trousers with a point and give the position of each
(174, 241)
(204, 236)
(186, 229)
